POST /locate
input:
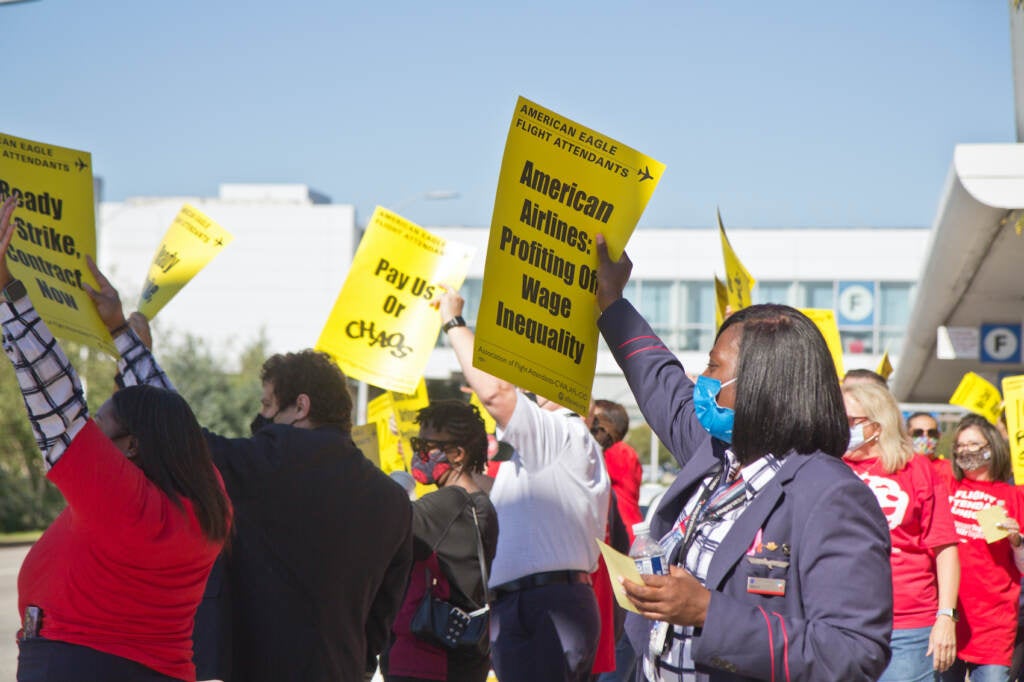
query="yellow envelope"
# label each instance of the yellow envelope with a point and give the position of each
(988, 518)
(620, 565)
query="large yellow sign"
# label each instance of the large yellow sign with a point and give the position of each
(1013, 400)
(382, 328)
(55, 225)
(192, 241)
(560, 185)
(979, 396)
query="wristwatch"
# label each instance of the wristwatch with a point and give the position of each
(456, 321)
(952, 613)
(15, 291)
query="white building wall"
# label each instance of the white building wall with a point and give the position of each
(280, 275)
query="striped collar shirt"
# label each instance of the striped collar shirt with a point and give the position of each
(669, 658)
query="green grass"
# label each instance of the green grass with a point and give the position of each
(24, 537)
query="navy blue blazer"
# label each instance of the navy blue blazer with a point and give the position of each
(835, 618)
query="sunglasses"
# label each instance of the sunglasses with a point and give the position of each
(423, 447)
(917, 433)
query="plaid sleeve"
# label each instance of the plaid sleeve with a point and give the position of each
(49, 384)
(137, 365)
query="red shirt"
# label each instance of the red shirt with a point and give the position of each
(989, 580)
(919, 523)
(122, 569)
(626, 474)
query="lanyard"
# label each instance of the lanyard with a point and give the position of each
(710, 509)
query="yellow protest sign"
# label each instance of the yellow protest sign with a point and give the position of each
(979, 396)
(825, 320)
(407, 408)
(489, 424)
(721, 301)
(381, 412)
(739, 283)
(560, 185)
(191, 242)
(55, 229)
(884, 366)
(1013, 403)
(382, 328)
(365, 438)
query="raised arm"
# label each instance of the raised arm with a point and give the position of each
(136, 365)
(497, 395)
(49, 385)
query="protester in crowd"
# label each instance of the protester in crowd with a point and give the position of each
(110, 589)
(779, 554)
(924, 430)
(552, 501)
(925, 565)
(991, 571)
(323, 539)
(609, 424)
(455, 529)
(857, 376)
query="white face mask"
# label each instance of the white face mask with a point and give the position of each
(856, 437)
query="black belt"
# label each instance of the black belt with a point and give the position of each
(542, 579)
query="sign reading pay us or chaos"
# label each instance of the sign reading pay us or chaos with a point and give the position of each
(191, 242)
(560, 185)
(55, 229)
(382, 327)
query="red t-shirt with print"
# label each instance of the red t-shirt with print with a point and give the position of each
(989, 580)
(919, 522)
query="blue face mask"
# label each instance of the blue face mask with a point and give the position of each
(715, 419)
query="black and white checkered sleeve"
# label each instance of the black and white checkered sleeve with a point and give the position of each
(137, 365)
(49, 384)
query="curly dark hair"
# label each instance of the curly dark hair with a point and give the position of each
(464, 423)
(318, 376)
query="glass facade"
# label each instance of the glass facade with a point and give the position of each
(682, 312)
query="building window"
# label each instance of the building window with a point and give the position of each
(817, 295)
(772, 292)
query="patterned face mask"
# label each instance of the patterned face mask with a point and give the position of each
(969, 460)
(925, 445)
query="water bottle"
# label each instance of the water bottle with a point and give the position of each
(646, 552)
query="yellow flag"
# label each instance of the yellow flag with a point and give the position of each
(979, 396)
(407, 408)
(825, 320)
(365, 438)
(884, 366)
(382, 328)
(1013, 401)
(739, 282)
(560, 185)
(381, 411)
(55, 229)
(191, 242)
(721, 301)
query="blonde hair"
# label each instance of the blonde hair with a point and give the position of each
(880, 407)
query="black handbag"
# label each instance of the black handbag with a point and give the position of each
(445, 625)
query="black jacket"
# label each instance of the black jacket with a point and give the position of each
(319, 559)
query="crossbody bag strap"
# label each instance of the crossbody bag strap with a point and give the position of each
(480, 552)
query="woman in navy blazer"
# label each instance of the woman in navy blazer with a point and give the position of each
(794, 580)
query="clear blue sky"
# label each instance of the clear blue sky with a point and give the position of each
(787, 113)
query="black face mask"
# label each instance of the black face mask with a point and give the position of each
(258, 422)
